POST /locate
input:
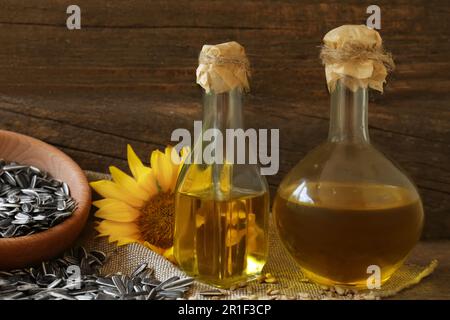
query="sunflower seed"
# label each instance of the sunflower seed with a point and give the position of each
(13, 199)
(22, 216)
(3, 282)
(20, 222)
(54, 283)
(119, 284)
(166, 282)
(130, 286)
(13, 296)
(61, 295)
(13, 167)
(66, 189)
(212, 293)
(139, 270)
(106, 282)
(33, 181)
(111, 292)
(26, 207)
(61, 205)
(9, 289)
(172, 294)
(9, 178)
(99, 255)
(85, 297)
(151, 282)
(27, 287)
(21, 180)
(94, 260)
(152, 294)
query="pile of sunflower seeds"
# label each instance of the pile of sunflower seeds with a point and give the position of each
(76, 276)
(31, 200)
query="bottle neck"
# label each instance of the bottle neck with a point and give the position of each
(348, 117)
(223, 111)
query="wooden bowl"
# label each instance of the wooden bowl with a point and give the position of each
(24, 251)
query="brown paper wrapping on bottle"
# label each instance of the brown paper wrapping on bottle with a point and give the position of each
(356, 53)
(223, 67)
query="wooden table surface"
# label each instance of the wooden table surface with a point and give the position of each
(128, 76)
(436, 285)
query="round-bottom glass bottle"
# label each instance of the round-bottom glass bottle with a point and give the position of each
(346, 207)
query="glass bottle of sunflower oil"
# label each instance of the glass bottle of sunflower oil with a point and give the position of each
(346, 213)
(221, 212)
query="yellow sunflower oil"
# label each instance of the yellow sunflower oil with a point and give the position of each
(336, 231)
(222, 241)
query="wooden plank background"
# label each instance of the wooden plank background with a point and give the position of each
(128, 76)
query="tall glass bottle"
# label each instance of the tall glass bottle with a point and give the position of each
(221, 213)
(346, 207)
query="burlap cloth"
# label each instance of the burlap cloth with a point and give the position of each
(291, 283)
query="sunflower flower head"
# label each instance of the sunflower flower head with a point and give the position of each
(140, 208)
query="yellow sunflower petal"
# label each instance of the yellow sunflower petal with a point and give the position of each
(128, 183)
(147, 181)
(135, 164)
(119, 211)
(173, 154)
(168, 254)
(153, 248)
(162, 169)
(174, 159)
(104, 202)
(184, 154)
(109, 189)
(198, 178)
(117, 229)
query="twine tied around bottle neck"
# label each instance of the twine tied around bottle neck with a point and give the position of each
(223, 67)
(356, 53)
(240, 61)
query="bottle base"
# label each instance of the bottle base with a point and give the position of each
(358, 284)
(226, 284)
